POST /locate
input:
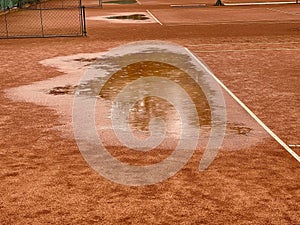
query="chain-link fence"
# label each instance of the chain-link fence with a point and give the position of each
(40, 18)
(47, 4)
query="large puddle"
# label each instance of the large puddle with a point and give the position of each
(149, 107)
(58, 93)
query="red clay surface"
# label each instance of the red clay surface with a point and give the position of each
(44, 178)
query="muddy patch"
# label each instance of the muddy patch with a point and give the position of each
(91, 60)
(240, 129)
(63, 90)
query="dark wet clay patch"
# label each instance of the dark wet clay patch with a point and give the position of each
(129, 17)
(11, 174)
(65, 90)
(239, 129)
(86, 60)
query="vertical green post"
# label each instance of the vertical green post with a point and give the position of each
(220, 3)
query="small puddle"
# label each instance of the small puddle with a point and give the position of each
(129, 17)
(121, 2)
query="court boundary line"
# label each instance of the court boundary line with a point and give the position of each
(295, 146)
(157, 20)
(258, 3)
(238, 22)
(249, 50)
(244, 43)
(264, 126)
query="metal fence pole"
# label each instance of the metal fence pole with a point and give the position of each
(41, 18)
(6, 25)
(20, 4)
(84, 21)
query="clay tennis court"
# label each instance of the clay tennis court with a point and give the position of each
(253, 50)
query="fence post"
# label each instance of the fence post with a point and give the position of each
(41, 17)
(83, 21)
(6, 25)
(219, 3)
(20, 4)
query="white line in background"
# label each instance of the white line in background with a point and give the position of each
(244, 43)
(259, 3)
(153, 17)
(249, 50)
(284, 145)
(138, 2)
(238, 22)
(294, 146)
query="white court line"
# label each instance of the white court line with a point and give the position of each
(244, 43)
(249, 50)
(189, 6)
(258, 3)
(294, 146)
(239, 22)
(270, 132)
(138, 2)
(148, 11)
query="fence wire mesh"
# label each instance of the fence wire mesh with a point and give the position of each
(33, 18)
(47, 4)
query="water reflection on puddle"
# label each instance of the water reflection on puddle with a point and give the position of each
(146, 109)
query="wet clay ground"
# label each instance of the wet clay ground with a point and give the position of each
(44, 178)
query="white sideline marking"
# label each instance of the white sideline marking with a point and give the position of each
(138, 2)
(243, 43)
(189, 6)
(270, 132)
(249, 50)
(295, 146)
(233, 22)
(259, 3)
(148, 11)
